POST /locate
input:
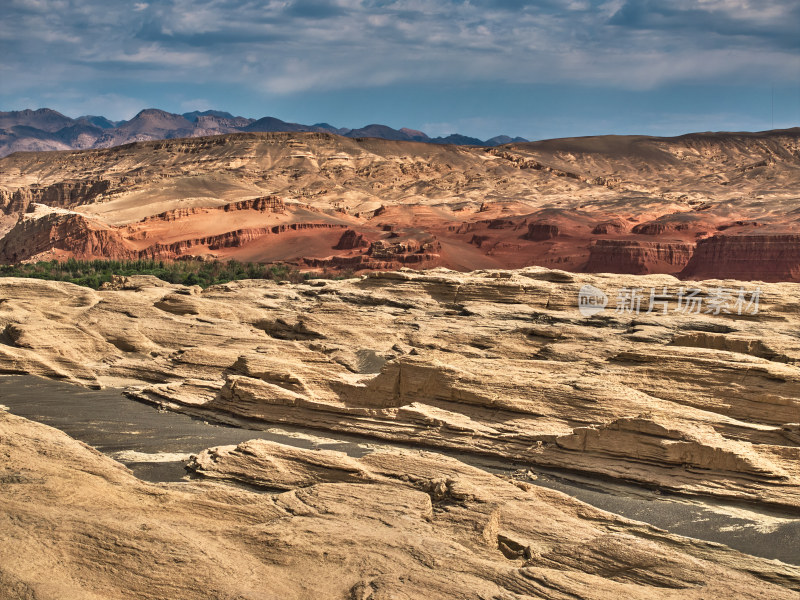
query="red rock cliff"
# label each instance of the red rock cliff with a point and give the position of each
(70, 233)
(764, 257)
(637, 257)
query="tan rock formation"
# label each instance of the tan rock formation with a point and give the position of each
(77, 525)
(500, 363)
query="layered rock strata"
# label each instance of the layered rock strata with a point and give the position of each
(76, 524)
(628, 204)
(688, 390)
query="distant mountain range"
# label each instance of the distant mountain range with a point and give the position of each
(46, 129)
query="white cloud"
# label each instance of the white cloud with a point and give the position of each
(293, 46)
(157, 55)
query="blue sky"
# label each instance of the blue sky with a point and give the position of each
(540, 69)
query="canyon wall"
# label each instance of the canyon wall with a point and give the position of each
(767, 257)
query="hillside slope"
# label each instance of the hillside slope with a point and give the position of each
(698, 206)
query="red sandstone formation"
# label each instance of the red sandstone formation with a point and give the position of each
(263, 204)
(64, 234)
(351, 240)
(384, 254)
(542, 230)
(614, 226)
(637, 257)
(59, 235)
(630, 204)
(769, 257)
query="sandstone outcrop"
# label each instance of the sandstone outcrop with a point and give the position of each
(48, 233)
(399, 524)
(64, 194)
(540, 231)
(763, 257)
(351, 240)
(380, 254)
(698, 399)
(609, 227)
(638, 257)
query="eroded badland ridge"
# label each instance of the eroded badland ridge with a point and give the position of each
(497, 363)
(696, 206)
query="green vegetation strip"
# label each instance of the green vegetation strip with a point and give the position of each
(93, 273)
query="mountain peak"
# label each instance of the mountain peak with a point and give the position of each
(195, 114)
(156, 112)
(499, 140)
(414, 133)
(98, 121)
(44, 119)
(39, 128)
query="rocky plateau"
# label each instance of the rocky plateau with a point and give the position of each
(701, 403)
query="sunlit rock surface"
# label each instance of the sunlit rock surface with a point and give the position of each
(499, 363)
(75, 524)
(654, 389)
(698, 206)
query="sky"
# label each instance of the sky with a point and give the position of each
(541, 69)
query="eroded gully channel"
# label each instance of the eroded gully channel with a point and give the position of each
(156, 445)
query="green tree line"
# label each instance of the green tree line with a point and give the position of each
(93, 273)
